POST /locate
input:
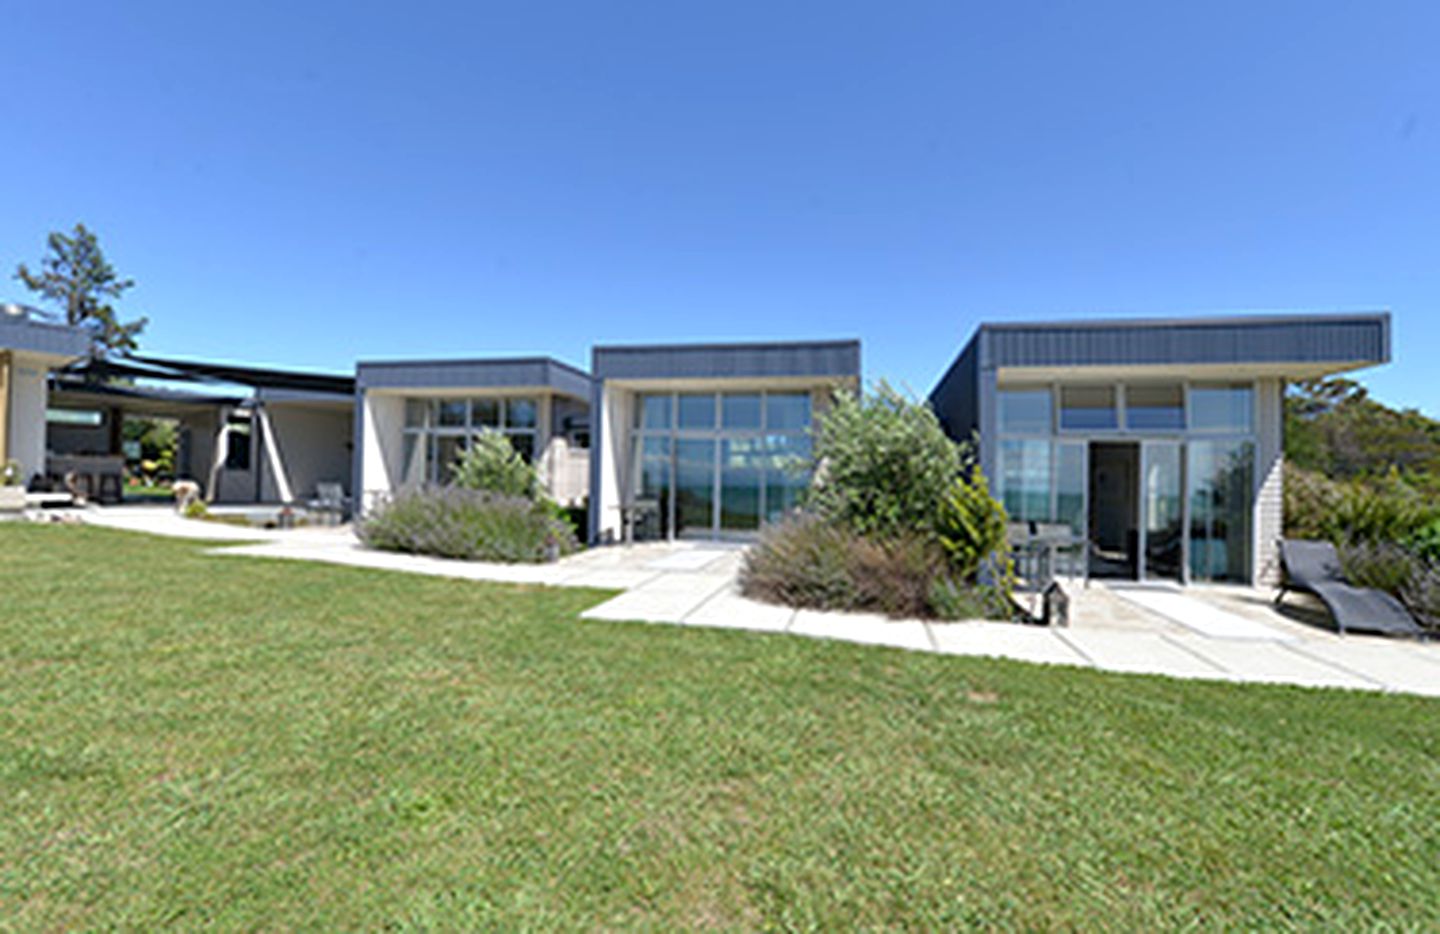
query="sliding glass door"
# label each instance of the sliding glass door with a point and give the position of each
(1221, 481)
(694, 488)
(1162, 503)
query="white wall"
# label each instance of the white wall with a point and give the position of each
(201, 432)
(382, 451)
(28, 398)
(314, 447)
(1269, 522)
(607, 502)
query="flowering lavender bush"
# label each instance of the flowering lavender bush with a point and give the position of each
(450, 522)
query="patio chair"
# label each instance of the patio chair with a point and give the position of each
(330, 502)
(1314, 568)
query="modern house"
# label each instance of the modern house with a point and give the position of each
(1156, 443)
(29, 349)
(247, 434)
(706, 440)
(415, 418)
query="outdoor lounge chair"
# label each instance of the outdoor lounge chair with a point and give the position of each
(330, 502)
(1314, 568)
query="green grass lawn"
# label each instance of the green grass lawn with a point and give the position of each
(190, 740)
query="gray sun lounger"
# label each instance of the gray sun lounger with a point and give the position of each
(1314, 568)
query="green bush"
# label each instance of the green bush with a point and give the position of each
(1374, 510)
(1399, 572)
(1421, 594)
(11, 474)
(1381, 565)
(883, 465)
(1424, 542)
(970, 525)
(491, 464)
(806, 561)
(956, 600)
(802, 561)
(452, 522)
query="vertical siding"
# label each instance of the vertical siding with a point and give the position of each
(1270, 481)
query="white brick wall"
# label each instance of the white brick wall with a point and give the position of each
(1269, 480)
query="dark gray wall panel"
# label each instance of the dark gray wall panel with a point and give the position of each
(1296, 339)
(839, 359)
(475, 374)
(955, 398)
(20, 333)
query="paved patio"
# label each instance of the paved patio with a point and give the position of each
(1217, 633)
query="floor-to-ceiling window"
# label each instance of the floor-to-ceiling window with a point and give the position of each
(437, 432)
(1195, 485)
(710, 464)
(1220, 467)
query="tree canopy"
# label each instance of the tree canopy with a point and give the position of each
(75, 277)
(1333, 427)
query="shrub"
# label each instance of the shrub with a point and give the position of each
(970, 525)
(895, 577)
(492, 464)
(1375, 510)
(954, 600)
(1382, 565)
(452, 522)
(806, 561)
(801, 561)
(883, 465)
(196, 509)
(1421, 594)
(1424, 542)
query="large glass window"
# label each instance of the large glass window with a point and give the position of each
(1222, 408)
(729, 461)
(1088, 408)
(787, 472)
(1221, 476)
(85, 418)
(1163, 507)
(450, 413)
(1025, 479)
(437, 432)
(653, 412)
(1155, 408)
(740, 411)
(787, 411)
(485, 412)
(742, 472)
(695, 411)
(1070, 483)
(1025, 411)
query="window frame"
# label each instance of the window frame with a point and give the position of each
(717, 433)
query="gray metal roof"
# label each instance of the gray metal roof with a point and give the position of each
(495, 373)
(838, 359)
(20, 331)
(1349, 339)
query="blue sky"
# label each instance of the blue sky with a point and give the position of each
(308, 185)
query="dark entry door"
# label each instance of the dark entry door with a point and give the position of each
(1114, 509)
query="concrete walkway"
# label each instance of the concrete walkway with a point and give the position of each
(1216, 633)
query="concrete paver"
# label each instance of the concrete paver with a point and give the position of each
(728, 610)
(1397, 665)
(1140, 653)
(1273, 662)
(1005, 640)
(866, 628)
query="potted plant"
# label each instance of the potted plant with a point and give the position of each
(12, 489)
